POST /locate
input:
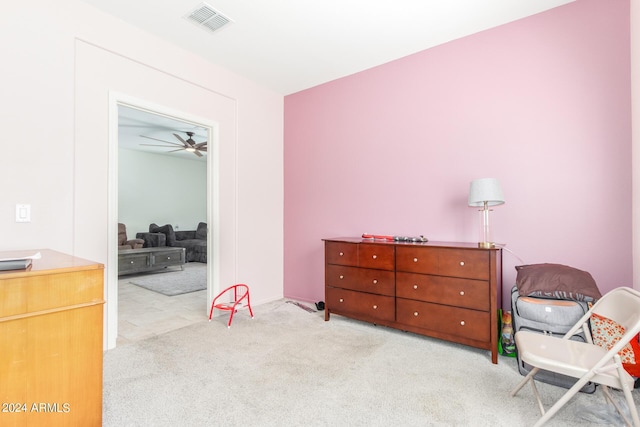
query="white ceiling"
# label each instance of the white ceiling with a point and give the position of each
(291, 45)
(143, 131)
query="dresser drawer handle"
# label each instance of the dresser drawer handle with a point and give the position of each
(375, 257)
(415, 286)
(341, 300)
(462, 263)
(341, 277)
(375, 307)
(341, 253)
(375, 282)
(461, 293)
(168, 257)
(415, 260)
(462, 323)
(131, 262)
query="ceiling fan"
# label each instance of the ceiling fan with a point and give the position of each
(189, 145)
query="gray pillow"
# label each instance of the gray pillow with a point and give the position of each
(556, 281)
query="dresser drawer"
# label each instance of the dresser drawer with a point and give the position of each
(461, 322)
(341, 253)
(471, 263)
(169, 258)
(133, 262)
(452, 291)
(417, 260)
(377, 256)
(371, 306)
(361, 279)
(467, 263)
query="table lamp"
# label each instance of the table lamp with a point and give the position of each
(485, 192)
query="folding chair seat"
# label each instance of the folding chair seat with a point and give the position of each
(586, 361)
(232, 299)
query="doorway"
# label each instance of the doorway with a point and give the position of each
(157, 124)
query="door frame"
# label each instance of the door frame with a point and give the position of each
(213, 203)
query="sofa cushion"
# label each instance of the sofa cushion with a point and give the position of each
(201, 231)
(185, 235)
(196, 249)
(167, 230)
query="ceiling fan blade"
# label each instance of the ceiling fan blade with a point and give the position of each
(166, 142)
(163, 146)
(125, 125)
(188, 145)
(184, 143)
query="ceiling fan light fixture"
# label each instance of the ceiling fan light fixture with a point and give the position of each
(190, 149)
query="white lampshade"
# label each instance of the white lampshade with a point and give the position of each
(485, 190)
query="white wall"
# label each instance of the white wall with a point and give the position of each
(61, 63)
(155, 188)
(635, 123)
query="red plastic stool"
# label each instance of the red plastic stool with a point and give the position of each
(240, 294)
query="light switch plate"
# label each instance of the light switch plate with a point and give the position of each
(23, 213)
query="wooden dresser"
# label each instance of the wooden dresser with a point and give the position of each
(51, 344)
(450, 291)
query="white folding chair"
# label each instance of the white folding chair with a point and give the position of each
(585, 361)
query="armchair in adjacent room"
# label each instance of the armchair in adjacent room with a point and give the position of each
(124, 243)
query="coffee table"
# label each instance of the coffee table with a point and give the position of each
(132, 261)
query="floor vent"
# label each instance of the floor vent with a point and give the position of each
(207, 17)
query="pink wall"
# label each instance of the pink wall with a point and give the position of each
(542, 104)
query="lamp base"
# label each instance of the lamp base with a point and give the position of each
(486, 245)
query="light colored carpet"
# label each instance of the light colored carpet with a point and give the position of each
(288, 367)
(175, 282)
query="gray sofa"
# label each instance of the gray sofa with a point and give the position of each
(194, 241)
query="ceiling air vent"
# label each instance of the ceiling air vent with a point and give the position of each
(207, 17)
